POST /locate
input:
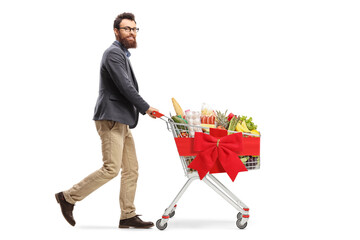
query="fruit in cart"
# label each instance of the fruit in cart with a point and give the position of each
(177, 107)
(230, 116)
(221, 127)
(255, 132)
(221, 119)
(240, 128)
(251, 163)
(244, 158)
(245, 128)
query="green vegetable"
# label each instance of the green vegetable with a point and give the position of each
(233, 123)
(249, 123)
(179, 116)
(178, 119)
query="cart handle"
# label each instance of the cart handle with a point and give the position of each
(161, 116)
(157, 114)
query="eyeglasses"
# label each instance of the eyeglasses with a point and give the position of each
(128, 29)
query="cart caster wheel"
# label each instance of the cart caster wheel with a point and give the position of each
(239, 216)
(159, 226)
(240, 226)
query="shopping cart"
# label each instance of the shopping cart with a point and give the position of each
(181, 131)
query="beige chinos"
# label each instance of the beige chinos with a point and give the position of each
(118, 150)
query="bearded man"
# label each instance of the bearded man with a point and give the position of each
(116, 112)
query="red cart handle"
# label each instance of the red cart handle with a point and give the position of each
(157, 114)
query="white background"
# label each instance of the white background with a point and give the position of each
(291, 65)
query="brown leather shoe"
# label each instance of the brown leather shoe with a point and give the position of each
(135, 222)
(66, 208)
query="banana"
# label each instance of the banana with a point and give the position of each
(255, 132)
(238, 127)
(243, 125)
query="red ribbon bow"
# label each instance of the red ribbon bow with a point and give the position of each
(224, 149)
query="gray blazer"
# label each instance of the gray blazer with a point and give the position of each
(119, 98)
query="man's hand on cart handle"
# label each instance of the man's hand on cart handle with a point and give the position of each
(157, 114)
(150, 112)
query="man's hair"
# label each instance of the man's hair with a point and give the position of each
(122, 16)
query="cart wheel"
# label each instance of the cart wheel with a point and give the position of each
(239, 216)
(240, 226)
(159, 226)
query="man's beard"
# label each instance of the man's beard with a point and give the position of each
(128, 43)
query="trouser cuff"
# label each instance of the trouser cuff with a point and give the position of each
(127, 215)
(68, 198)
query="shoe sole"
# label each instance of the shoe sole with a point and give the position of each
(124, 226)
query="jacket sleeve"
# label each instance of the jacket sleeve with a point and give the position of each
(115, 63)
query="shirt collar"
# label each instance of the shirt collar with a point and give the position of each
(127, 53)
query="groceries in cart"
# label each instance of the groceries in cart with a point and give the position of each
(214, 119)
(208, 142)
(189, 122)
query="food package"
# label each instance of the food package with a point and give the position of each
(193, 118)
(207, 115)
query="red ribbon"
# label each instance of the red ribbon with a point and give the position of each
(224, 149)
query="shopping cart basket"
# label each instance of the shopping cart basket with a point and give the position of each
(249, 158)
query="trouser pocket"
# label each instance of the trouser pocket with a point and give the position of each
(112, 124)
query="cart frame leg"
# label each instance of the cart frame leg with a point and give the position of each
(172, 206)
(232, 199)
(227, 191)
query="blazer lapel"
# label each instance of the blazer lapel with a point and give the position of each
(133, 76)
(131, 73)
